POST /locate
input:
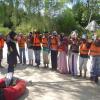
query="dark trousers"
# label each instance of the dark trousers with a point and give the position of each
(54, 54)
(37, 56)
(1, 53)
(95, 68)
(11, 68)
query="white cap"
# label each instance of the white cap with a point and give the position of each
(54, 33)
(83, 36)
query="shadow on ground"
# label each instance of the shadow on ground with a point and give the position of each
(44, 84)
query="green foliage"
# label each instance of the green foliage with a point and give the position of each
(24, 28)
(81, 13)
(36, 22)
(25, 15)
(84, 13)
(66, 22)
(98, 33)
(4, 31)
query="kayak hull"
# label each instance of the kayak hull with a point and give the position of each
(13, 92)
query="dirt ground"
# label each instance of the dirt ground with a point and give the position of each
(44, 84)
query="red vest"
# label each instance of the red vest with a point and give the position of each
(94, 50)
(1, 43)
(61, 47)
(21, 42)
(36, 40)
(54, 42)
(84, 49)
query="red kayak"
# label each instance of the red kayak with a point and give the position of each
(12, 92)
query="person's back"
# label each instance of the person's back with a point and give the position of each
(37, 41)
(12, 52)
(21, 41)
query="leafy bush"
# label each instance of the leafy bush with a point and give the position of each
(4, 31)
(66, 22)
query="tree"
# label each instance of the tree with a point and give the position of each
(93, 9)
(66, 22)
(81, 13)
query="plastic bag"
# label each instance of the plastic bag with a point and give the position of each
(8, 79)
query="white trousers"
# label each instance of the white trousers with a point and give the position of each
(73, 63)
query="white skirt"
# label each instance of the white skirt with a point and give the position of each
(30, 54)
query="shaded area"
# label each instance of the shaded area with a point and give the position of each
(62, 90)
(44, 84)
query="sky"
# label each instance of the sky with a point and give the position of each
(69, 5)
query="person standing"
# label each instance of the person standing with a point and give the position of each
(95, 59)
(74, 51)
(21, 43)
(37, 47)
(1, 49)
(62, 54)
(30, 48)
(12, 52)
(45, 49)
(83, 55)
(53, 39)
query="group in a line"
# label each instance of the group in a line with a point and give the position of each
(59, 46)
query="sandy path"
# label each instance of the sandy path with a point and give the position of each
(49, 85)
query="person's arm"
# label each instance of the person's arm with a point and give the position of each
(15, 49)
(49, 41)
(40, 38)
(2, 43)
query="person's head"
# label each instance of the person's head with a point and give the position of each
(54, 33)
(45, 33)
(21, 34)
(49, 33)
(94, 37)
(62, 34)
(37, 33)
(84, 38)
(30, 34)
(74, 35)
(12, 35)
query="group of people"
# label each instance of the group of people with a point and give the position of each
(64, 52)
